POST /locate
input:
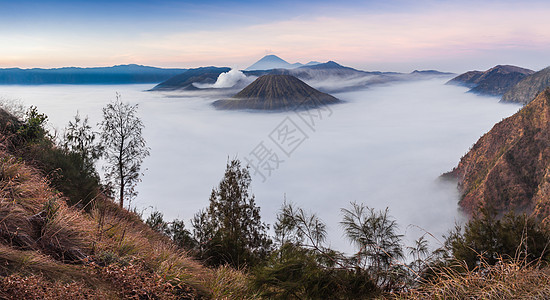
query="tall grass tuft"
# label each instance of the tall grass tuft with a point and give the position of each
(507, 279)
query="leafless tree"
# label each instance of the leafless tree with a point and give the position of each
(124, 147)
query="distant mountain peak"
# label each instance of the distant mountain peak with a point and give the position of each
(526, 90)
(312, 63)
(432, 72)
(332, 63)
(272, 57)
(494, 82)
(269, 62)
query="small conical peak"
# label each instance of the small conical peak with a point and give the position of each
(276, 86)
(276, 92)
(332, 63)
(272, 57)
(269, 62)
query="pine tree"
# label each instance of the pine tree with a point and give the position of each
(230, 231)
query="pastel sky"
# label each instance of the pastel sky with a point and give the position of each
(390, 35)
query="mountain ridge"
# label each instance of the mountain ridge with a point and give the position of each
(118, 74)
(526, 89)
(326, 77)
(508, 168)
(493, 82)
(186, 80)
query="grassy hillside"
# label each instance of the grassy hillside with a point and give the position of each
(49, 249)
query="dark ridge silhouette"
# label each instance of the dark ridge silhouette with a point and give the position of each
(276, 92)
(121, 74)
(493, 82)
(528, 88)
(324, 70)
(431, 72)
(185, 81)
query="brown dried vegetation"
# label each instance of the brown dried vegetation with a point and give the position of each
(509, 167)
(506, 280)
(49, 250)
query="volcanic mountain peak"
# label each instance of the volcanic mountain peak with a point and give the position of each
(277, 87)
(276, 92)
(269, 62)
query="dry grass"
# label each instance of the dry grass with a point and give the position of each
(511, 279)
(125, 236)
(50, 250)
(37, 287)
(33, 217)
(228, 283)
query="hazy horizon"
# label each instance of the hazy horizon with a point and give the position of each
(387, 68)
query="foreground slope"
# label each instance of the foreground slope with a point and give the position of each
(493, 82)
(526, 90)
(509, 167)
(50, 250)
(276, 92)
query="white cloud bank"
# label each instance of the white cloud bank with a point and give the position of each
(384, 147)
(225, 80)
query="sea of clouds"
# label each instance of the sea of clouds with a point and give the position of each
(385, 147)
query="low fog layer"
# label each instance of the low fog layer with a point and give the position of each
(384, 147)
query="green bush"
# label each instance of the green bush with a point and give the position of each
(230, 231)
(294, 272)
(68, 171)
(32, 128)
(489, 239)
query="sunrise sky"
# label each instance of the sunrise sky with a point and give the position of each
(371, 35)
